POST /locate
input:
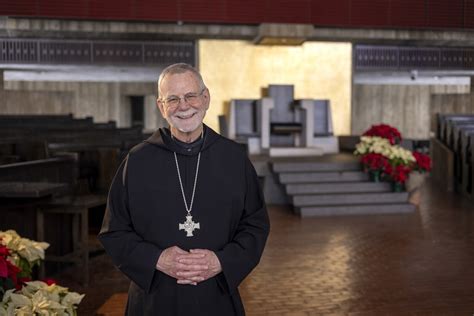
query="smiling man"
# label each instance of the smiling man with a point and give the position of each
(186, 220)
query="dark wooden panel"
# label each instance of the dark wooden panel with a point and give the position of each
(469, 13)
(334, 13)
(445, 13)
(408, 12)
(15, 7)
(112, 9)
(63, 8)
(351, 13)
(370, 13)
(201, 10)
(163, 10)
(288, 11)
(245, 11)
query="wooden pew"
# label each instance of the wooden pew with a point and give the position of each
(455, 144)
(27, 184)
(467, 140)
(40, 120)
(33, 191)
(453, 125)
(94, 144)
(446, 121)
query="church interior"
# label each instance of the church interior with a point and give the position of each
(358, 117)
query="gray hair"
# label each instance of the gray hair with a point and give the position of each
(180, 68)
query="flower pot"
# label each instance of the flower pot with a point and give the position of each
(398, 187)
(374, 175)
(415, 180)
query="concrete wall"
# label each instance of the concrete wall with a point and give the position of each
(408, 108)
(104, 101)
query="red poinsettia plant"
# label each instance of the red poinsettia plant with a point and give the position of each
(383, 157)
(8, 272)
(374, 162)
(385, 131)
(398, 174)
(423, 162)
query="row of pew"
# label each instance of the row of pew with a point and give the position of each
(99, 146)
(55, 169)
(456, 132)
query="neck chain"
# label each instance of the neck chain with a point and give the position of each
(189, 225)
(188, 209)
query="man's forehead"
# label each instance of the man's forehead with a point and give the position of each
(179, 83)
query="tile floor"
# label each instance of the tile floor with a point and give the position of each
(410, 264)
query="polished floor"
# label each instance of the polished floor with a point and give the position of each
(409, 264)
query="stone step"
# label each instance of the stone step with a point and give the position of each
(366, 209)
(314, 177)
(350, 199)
(306, 166)
(339, 187)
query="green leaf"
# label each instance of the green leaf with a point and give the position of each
(8, 284)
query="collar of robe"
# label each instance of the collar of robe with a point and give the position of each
(190, 146)
(162, 138)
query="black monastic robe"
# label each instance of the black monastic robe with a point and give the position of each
(145, 206)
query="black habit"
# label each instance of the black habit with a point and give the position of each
(145, 206)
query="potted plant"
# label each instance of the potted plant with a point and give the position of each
(420, 169)
(21, 296)
(373, 151)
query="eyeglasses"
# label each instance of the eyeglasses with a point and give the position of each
(190, 98)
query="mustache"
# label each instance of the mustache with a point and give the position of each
(186, 113)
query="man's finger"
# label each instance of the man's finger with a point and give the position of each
(190, 282)
(192, 267)
(200, 261)
(180, 251)
(188, 274)
(190, 256)
(199, 251)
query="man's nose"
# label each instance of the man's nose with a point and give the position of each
(183, 103)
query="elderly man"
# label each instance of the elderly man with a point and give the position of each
(186, 220)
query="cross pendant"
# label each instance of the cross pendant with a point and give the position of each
(189, 226)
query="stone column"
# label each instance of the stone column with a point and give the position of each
(1, 80)
(307, 105)
(266, 104)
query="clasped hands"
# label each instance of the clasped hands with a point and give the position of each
(191, 267)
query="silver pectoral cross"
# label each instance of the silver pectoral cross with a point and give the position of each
(189, 226)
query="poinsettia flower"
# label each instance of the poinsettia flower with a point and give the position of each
(3, 267)
(21, 282)
(385, 131)
(4, 251)
(72, 298)
(29, 249)
(49, 281)
(423, 162)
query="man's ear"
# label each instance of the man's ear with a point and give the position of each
(207, 97)
(159, 105)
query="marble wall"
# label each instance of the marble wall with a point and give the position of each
(235, 69)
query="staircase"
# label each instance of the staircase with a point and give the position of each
(326, 188)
